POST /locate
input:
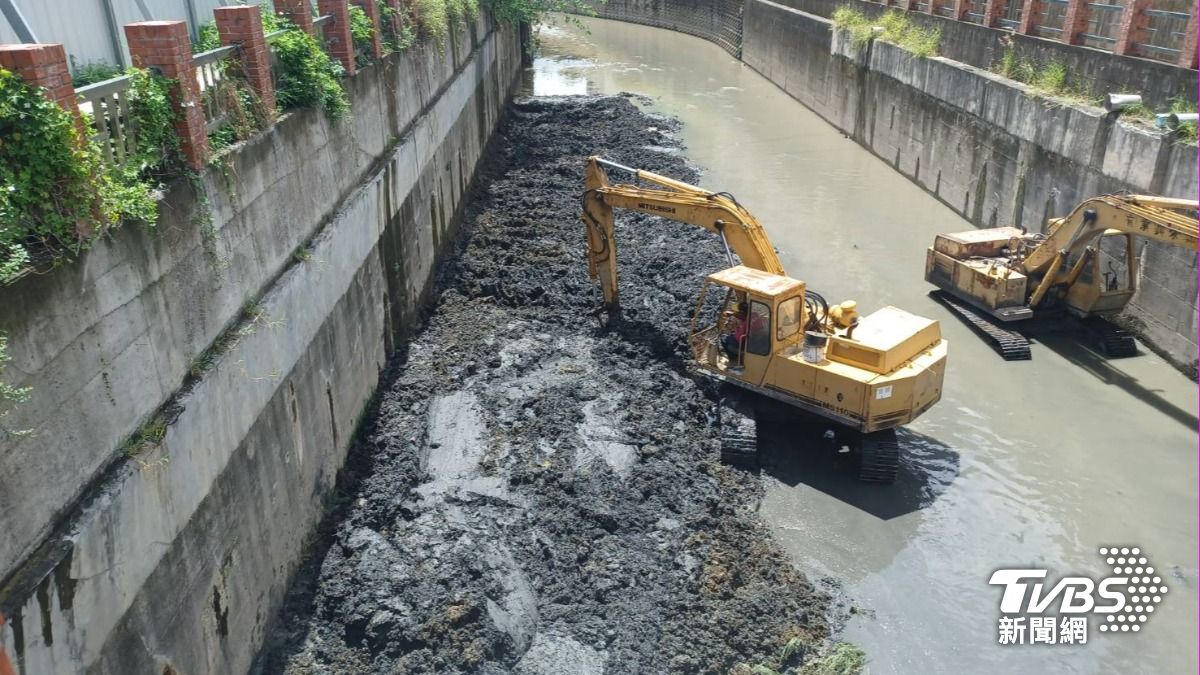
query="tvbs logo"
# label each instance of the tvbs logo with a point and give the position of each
(1035, 612)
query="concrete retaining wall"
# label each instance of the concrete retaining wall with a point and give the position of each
(1094, 70)
(982, 143)
(177, 555)
(718, 21)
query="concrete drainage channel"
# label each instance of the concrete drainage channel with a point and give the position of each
(536, 493)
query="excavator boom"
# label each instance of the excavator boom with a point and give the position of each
(717, 212)
(1156, 218)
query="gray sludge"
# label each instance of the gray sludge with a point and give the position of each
(537, 493)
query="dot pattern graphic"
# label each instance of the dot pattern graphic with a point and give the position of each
(1142, 592)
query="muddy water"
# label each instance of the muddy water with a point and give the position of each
(1033, 464)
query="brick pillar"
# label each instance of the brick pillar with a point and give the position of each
(397, 17)
(371, 9)
(931, 7)
(992, 10)
(165, 47)
(1187, 45)
(1130, 28)
(961, 7)
(242, 25)
(298, 13)
(1075, 22)
(1029, 13)
(44, 66)
(337, 33)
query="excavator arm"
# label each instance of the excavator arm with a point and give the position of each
(1171, 221)
(716, 212)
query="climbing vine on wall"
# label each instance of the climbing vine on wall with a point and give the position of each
(57, 195)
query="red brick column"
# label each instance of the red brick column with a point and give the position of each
(298, 13)
(337, 33)
(991, 12)
(372, 11)
(1029, 13)
(242, 25)
(45, 66)
(1133, 23)
(1075, 21)
(397, 17)
(1187, 46)
(165, 47)
(931, 7)
(961, 7)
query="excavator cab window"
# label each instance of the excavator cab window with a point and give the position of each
(789, 318)
(758, 336)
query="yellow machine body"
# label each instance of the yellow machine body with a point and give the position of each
(873, 373)
(884, 374)
(1012, 274)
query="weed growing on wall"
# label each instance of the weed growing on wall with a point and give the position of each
(58, 195)
(535, 11)
(462, 12)
(895, 27)
(396, 40)
(362, 33)
(308, 77)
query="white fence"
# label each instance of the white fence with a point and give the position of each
(92, 30)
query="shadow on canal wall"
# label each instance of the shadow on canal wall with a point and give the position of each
(983, 144)
(195, 387)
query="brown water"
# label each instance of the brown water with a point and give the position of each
(1027, 464)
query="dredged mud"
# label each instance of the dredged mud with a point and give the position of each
(537, 493)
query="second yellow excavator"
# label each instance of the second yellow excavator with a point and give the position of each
(760, 330)
(1001, 277)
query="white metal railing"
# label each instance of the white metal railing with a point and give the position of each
(106, 106)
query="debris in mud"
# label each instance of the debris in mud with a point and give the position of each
(541, 494)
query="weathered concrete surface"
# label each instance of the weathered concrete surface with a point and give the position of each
(179, 555)
(718, 21)
(1097, 71)
(985, 146)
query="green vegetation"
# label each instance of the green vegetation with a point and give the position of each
(362, 33)
(434, 19)
(308, 77)
(895, 27)
(1047, 80)
(392, 40)
(92, 72)
(462, 12)
(10, 396)
(59, 196)
(1186, 133)
(843, 659)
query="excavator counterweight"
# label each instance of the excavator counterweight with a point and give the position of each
(762, 331)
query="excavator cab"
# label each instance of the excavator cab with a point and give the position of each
(1101, 286)
(770, 309)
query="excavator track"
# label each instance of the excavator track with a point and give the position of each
(1112, 340)
(739, 434)
(879, 457)
(1008, 343)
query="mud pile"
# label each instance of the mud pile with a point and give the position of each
(538, 493)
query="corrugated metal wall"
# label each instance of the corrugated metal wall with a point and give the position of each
(91, 30)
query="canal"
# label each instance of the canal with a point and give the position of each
(1032, 464)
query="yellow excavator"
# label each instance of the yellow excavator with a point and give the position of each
(1014, 277)
(758, 329)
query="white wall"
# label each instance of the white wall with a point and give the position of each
(84, 27)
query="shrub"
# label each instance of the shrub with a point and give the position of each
(362, 33)
(58, 195)
(434, 19)
(92, 72)
(897, 28)
(308, 77)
